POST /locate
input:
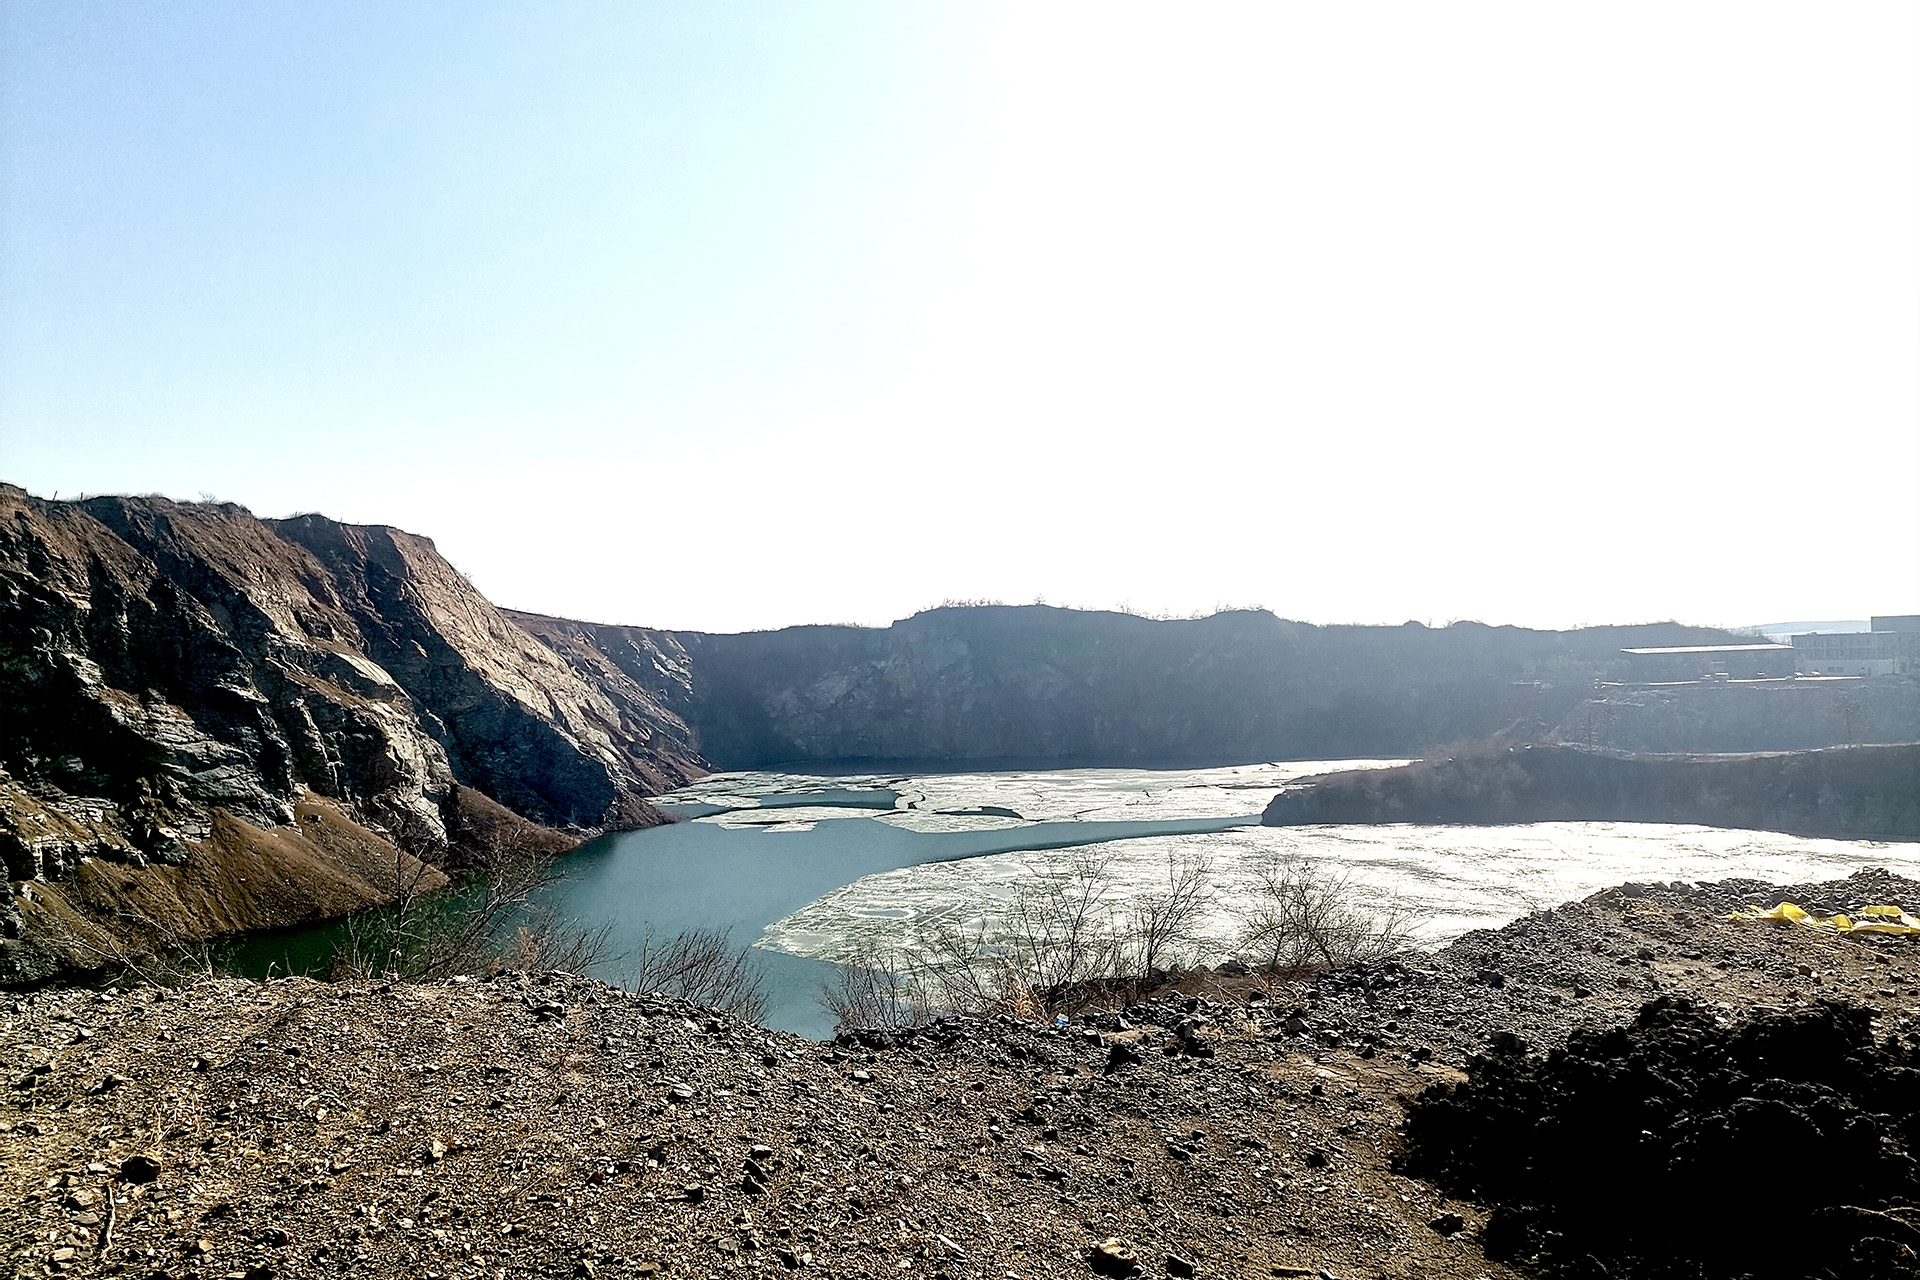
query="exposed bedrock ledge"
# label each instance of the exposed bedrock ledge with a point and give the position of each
(1869, 791)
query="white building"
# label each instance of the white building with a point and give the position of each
(1891, 648)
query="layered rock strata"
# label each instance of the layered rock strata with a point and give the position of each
(167, 668)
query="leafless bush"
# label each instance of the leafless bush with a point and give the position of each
(878, 990)
(1302, 918)
(1163, 927)
(485, 923)
(491, 921)
(1059, 945)
(1849, 718)
(175, 964)
(1060, 933)
(1054, 938)
(546, 942)
(143, 951)
(702, 966)
(949, 969)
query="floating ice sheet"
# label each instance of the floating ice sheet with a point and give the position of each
(1459, 878)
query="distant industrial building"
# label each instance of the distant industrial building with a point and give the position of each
(1711, 662)
(1892, 647)
(1904, 625)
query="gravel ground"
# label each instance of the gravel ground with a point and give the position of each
(553, 1126)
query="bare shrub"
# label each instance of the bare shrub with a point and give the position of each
(702, 966)
(547, 943)
(1302, 918)
(949, 969)
(1054, 939)
(1059, 933)
(144, 953)
(481, 925)
(490, 921)
(1060, 945)
(1163, 927)
(878, 990)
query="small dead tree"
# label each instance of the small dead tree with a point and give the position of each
(140, 947)
(1060, 934)
(1850, 717)
(483, 923)
(1063, 944)
(877, 990)
(701, 966)
(1301, 918)
(1163, 927)
(1052, 943)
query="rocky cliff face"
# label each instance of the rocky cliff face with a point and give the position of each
(556, 741)
(167, 667)
(1035, 683)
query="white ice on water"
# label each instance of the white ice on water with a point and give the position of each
(1460, 878)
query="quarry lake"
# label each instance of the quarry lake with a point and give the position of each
(810, 869)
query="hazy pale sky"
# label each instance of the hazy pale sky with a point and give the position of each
(726, 316)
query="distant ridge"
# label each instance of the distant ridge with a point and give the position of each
(1776, 630)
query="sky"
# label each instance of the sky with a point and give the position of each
(731, 316)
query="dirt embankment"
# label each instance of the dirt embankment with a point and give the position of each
(1871, 791)
(558, 1127)
(1589, 1151)
(108, 915)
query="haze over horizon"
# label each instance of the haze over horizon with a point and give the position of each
(729, 317)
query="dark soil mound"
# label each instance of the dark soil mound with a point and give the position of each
(1681, 1147)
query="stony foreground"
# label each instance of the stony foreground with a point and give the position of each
(523, 1126)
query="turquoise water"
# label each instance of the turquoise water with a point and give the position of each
(744, 877)
(807, 870)
(753, 849)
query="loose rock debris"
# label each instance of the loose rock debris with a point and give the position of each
(553, 1126)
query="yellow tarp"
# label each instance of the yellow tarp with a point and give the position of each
(1884, 919)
